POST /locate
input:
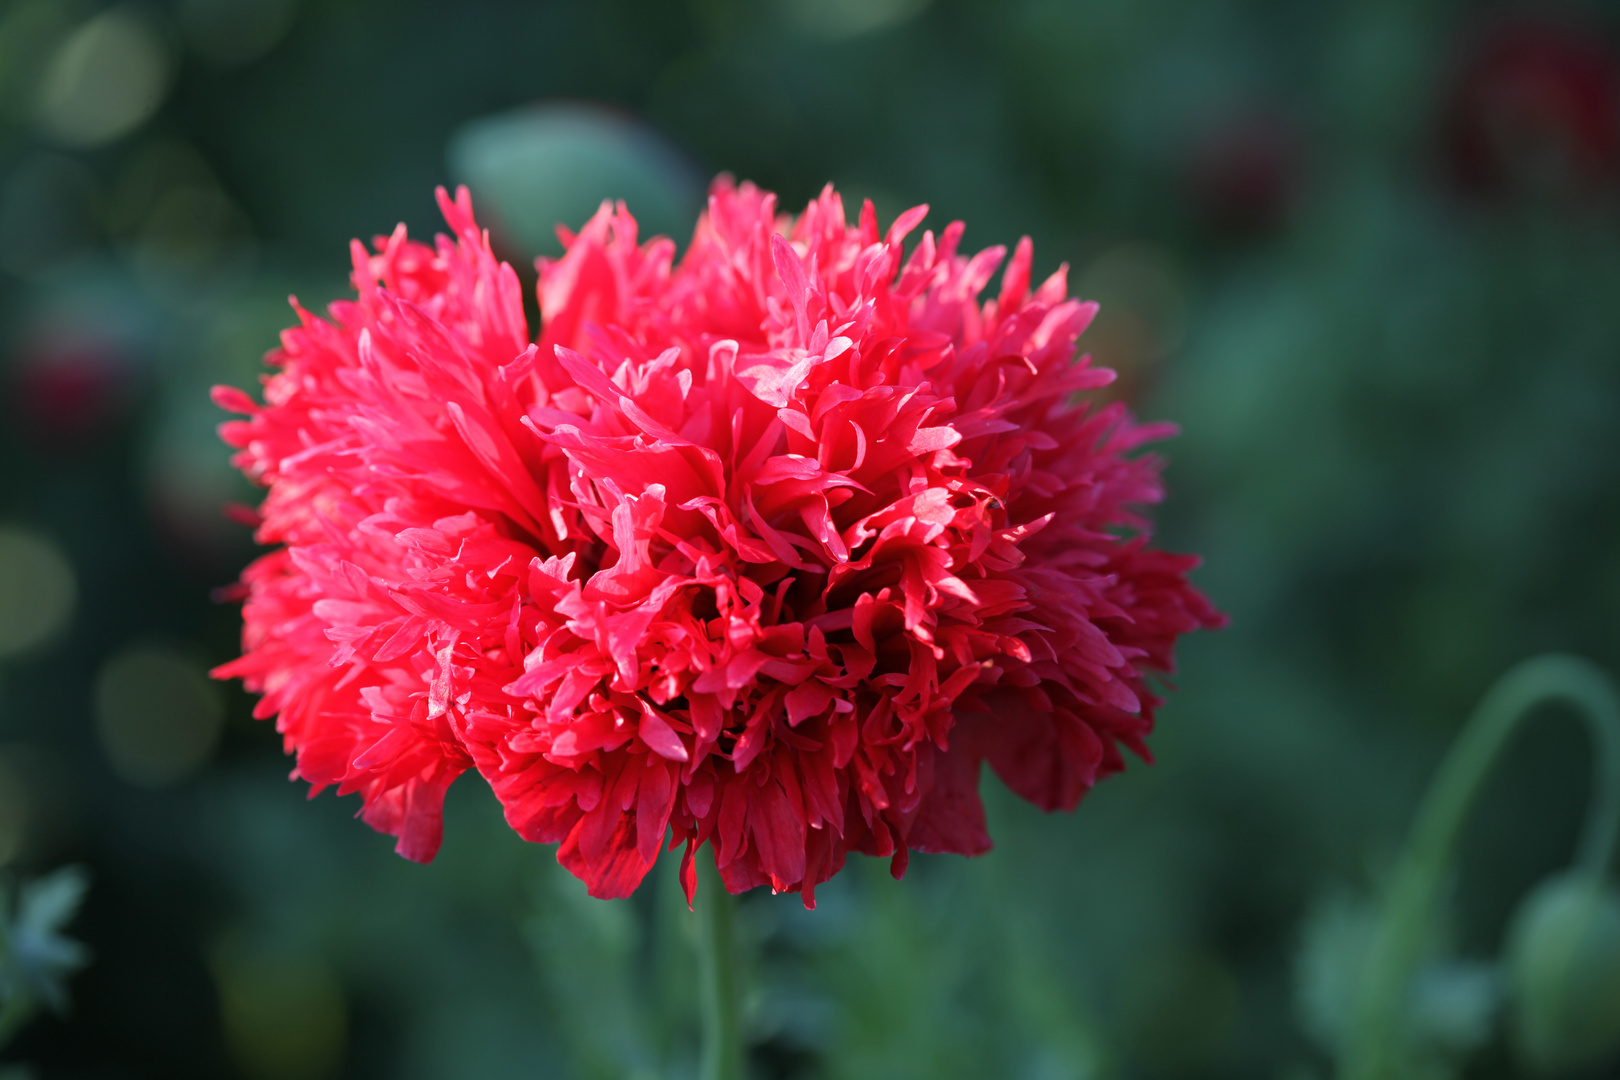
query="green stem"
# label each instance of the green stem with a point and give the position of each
(1424, 864)
(717, 971)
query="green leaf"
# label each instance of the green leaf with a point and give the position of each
(40, 958)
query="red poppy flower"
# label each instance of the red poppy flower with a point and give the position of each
(768, 549)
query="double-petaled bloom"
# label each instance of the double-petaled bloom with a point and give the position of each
(767, 549)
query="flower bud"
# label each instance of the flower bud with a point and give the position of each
(1563, 970)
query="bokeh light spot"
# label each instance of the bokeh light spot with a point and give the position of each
(157, 715)
(231, 32)
(37, 590)
(193, 238)
(1142, 318)
(283, 1012)
(105, 80)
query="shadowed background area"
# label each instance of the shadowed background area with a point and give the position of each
(1367, 255)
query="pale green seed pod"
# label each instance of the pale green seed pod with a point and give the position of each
(1563, 974)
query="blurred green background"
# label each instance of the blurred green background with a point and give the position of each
(1367, 254)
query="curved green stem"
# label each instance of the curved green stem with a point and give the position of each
(717, 972)
(1419, 875)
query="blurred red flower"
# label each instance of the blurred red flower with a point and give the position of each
(69, 387)
(1536, 109)
(1245, 172)
(768, 549)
